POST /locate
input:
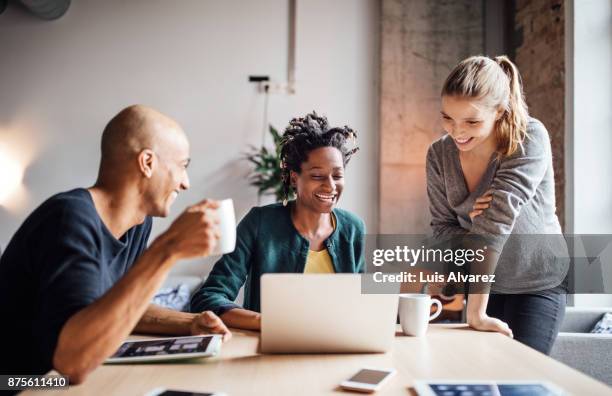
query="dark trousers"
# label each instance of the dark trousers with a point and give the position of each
(534, 318)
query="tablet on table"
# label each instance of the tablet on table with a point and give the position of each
(172, 348)
(486, 388)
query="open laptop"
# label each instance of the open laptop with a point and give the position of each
(322, 313)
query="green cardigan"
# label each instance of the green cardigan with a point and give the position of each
(267, 242)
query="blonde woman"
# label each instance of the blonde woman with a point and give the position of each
(492, 175)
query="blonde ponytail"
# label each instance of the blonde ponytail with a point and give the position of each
(498, 83)
(512, 126)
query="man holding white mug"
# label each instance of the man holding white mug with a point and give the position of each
(77, 279)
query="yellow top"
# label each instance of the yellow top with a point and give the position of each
(320, 262)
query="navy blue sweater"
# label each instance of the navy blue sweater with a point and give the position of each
(61, 259)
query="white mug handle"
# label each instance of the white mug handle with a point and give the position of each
(438, 311)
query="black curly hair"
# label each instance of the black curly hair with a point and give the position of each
(308, 133)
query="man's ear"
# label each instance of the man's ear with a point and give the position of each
(147, 162)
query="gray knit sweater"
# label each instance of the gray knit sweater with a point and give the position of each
(523, 204)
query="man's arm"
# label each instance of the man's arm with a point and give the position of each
(159, 320)
(95, 332)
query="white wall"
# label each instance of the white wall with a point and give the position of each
(61, 81)
(592, 128)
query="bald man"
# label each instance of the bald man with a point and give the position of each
(76, 279)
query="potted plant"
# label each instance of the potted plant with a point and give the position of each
(266, 174)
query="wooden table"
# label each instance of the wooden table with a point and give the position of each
(448, 351)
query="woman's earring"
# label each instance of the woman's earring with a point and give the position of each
(285, 202)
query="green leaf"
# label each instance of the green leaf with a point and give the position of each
(276, 137)
(266, 172)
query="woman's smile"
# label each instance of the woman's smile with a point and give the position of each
(464, 141)
(326, 197)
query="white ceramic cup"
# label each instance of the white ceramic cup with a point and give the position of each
(227, 227)
(414, 313)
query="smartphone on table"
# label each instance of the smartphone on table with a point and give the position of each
(368, 380)
(171, 392)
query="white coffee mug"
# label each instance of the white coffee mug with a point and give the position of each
(414, 313)
(227, 227)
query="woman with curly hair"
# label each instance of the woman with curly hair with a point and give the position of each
(307, 234)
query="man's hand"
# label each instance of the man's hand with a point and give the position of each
(487, 323)
(194, 233)
(207, 322)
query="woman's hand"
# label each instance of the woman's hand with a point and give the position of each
(241, 318)
(478, 319)
(487, 323)
(483, 202)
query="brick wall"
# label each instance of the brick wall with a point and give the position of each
(539, 55)
(421, 41)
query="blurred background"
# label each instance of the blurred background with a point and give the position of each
(66, 67)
